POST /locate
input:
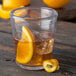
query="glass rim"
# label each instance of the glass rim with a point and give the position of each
(55, 13)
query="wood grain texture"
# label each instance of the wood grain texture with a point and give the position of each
(5, 26)
(64, 51)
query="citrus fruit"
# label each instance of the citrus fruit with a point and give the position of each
(12, 4)
(25, 46)
(5, 14)
(51, 65)
(56, 3)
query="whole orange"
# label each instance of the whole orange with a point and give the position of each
(12, 4)
(56, 3)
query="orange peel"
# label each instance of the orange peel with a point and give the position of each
(51, 65)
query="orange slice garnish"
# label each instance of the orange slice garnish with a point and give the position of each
(25, 46)
(51, 65)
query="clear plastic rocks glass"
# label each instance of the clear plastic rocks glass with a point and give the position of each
(33, 33)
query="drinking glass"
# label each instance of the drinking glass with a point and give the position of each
(33, 33)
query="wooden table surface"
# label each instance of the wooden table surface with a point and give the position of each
(64, 50)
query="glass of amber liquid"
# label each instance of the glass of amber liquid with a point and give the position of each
(33, 33)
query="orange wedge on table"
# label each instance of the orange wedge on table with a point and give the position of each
(5, 14)
(51, 65)
(25, 46)
(9, 5)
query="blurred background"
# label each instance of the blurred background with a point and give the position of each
(66, 13)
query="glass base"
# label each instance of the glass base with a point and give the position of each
(30, 67)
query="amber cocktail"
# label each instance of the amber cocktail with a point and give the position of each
(33, 33)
